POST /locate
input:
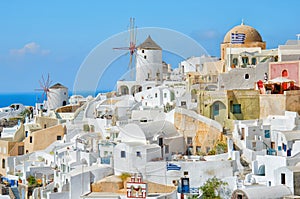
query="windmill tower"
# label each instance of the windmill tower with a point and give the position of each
(149, 65)
(58, 96)
(54, 96)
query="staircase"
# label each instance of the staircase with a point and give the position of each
(79, 117)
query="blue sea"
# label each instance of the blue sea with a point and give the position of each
(30, 98)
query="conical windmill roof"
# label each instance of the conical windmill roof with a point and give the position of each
(57, 85)
(149, 44)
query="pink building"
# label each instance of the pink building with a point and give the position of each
(288, 69)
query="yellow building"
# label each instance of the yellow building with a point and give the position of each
(7, 149)
(40, 140)
(226, 106)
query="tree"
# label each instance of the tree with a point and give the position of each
(211, 188)
(124, 177)
(31, 180)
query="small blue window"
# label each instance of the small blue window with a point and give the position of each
(236, 109)
(284, 147)
(267, 133)
(279, 148)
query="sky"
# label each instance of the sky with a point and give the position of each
(38, 38)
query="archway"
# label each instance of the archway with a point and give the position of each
(124, 90)
(284, 73)
(216, 109)
(135, 89)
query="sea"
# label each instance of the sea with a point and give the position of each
(30, 98)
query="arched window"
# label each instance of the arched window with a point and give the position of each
(253, 61)
(284, 73)
(235, 61)
(245, 60)
(3, 163)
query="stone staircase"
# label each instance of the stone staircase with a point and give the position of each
(79, 117)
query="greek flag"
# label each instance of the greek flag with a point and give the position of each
(238, 38)
(171, 166)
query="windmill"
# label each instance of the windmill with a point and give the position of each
(45, 87)
(132, 44)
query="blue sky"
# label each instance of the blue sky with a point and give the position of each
(41, 37)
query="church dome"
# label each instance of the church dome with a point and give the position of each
(251, 34)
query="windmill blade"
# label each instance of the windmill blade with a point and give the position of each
(121, 48)
(130, 62)
(41, 84)
(43, 81)
(39, 89)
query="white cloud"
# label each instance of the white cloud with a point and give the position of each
(30, 48)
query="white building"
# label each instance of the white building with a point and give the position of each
(57, 96)
(156, 97)
(195, 64)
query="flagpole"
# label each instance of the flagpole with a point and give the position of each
(229, 66)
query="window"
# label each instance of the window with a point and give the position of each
(58, 137)
(283, 178)
(183, 103)
(165, 95)
(207, 149)
(284, 73)
(190, 150)
(160, 141)
(3, 163)
(143, 51)
(216, 109)
(155, 95)
(148, 87)
(30, 139)
(189, 140)
(239, 196)
(45, 126)
(279, 148)
(245, 60)
(166, 148)
(253, 61)
(235, 61)
(267, 133)
(247, 76)
(236, 109)
(138, 154)
(123, 154)
(198, 149)
(145, 57)
(284, 147)
(253, 144)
